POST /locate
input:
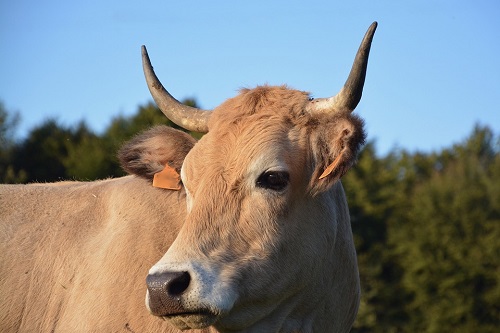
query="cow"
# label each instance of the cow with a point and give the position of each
(245, 230)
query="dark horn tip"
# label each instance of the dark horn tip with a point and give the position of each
(356, 79)
(144, 51)
(371, 29)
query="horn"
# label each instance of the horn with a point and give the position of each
(349, 96)
(192, 119)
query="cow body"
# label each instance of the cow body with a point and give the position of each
(73, 257)
(253, 234)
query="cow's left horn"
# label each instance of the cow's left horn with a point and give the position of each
(350, 94)
(192, 119)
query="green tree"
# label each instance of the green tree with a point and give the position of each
(41, 157)
(87, 157)
(52, 152)
(8, 125)
(376, 194)
(448, 246)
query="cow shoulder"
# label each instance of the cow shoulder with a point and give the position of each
(149, 152)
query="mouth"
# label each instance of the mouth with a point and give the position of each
(192, 320)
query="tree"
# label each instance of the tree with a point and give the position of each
(53, 152)
(88, 156)
(376, 194)
(41, 157)
(8, 124)
(449, 247)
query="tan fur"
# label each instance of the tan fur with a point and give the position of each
(291, 254)
(74, 257)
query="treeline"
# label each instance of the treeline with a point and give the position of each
(427, 231)
(426, 225)
(53, 152)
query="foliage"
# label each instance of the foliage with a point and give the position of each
(427, 228)
(8, 124)
(42, 155)
(426, 225)
(54, 152)
(376, 197)
(449, 247)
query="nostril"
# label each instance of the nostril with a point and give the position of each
(168, 284)
(179, 284)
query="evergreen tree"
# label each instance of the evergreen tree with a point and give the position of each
(375, 195)
(8, 124)
(52, 152)
(449, 245)
(88, 157)
(41, 156)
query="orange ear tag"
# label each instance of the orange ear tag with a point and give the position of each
(168, 179)
(332, 166)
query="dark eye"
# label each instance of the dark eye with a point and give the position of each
(273, 180)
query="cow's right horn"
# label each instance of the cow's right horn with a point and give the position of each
(192, 119)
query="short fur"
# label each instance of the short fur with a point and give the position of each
(74, 257)
(149, 152)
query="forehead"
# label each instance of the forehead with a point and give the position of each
(258, 126)
(235, 146)
(263, 101)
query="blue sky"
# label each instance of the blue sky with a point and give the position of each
(434, 69)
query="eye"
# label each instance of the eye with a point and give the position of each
(273, 180)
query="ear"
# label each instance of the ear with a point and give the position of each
(335, 145)
(149, 152)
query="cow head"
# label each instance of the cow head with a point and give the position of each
(266, 244)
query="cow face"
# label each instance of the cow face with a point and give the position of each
(266, 243)
(261, 227)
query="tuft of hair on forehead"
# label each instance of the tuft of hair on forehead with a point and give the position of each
(264, 100)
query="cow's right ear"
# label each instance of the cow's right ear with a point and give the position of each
(335, 145)
(149, 152)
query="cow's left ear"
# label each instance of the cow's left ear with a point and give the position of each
(149, 152)
(335, 143)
